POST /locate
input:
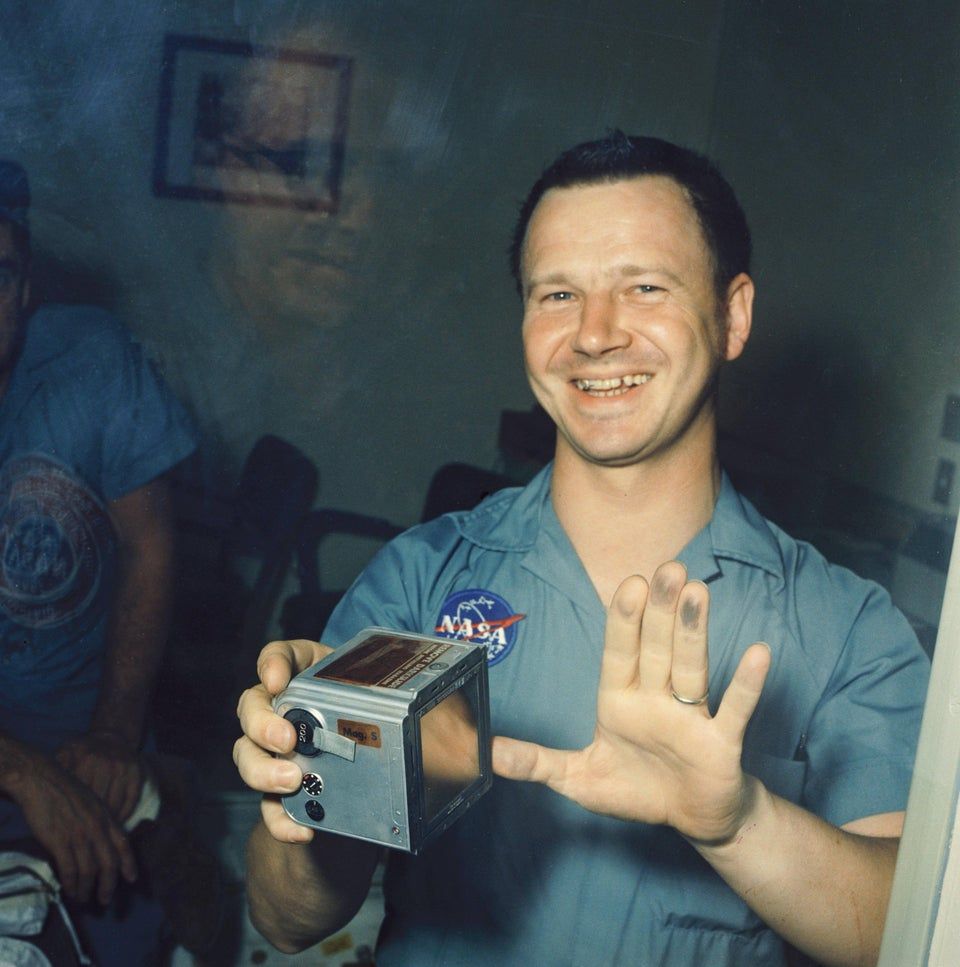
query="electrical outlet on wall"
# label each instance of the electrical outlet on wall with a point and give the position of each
(943, 482)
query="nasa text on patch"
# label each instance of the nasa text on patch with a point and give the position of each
(482, 617)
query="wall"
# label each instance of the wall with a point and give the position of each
(455, 108)
(835, 121)
(841, 124)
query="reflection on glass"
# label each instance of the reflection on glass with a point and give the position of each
(450, 747)
(267, 130)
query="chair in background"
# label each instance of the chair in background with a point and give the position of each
(275, 492)
(233, 557)
(461, 486)
(305, 614)
(455, 486)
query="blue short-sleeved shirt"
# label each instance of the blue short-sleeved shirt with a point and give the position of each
(527, 877)
(85, 420)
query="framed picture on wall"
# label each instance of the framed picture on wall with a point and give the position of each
(251, 125)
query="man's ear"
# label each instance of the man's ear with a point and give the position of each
(739, 315)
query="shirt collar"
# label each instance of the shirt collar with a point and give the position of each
(512, 521)
(737, 532)
(524, 522)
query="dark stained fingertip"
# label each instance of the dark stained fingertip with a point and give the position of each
(668, 580)
(661, 591)
(690, 612)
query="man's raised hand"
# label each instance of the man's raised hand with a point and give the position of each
(657, 755)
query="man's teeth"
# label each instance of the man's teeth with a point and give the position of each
(610, 385)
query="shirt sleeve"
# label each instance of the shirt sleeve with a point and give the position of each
(863, 735)
(145, 429)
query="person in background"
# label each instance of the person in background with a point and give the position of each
(711, 728)
(88, 434)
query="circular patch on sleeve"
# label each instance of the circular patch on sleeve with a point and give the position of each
(480, 617)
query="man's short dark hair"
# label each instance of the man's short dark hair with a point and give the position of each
(619, 156)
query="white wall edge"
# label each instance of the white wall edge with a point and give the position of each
(927, 865)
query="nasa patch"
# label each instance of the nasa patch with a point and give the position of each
(480, 617)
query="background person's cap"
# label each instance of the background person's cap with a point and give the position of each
(14, 192)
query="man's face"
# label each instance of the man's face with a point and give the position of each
(622, 330)
(285, 265)
(13, 299)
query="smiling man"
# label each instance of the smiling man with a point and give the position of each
(742, 717)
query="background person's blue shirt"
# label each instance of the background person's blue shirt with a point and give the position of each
(527, 877)
(85, 419)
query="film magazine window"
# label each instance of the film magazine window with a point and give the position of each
(393, 737)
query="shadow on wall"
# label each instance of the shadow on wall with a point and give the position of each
(784, 413)
(796, 401)
(55, 279)
(788, 413)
